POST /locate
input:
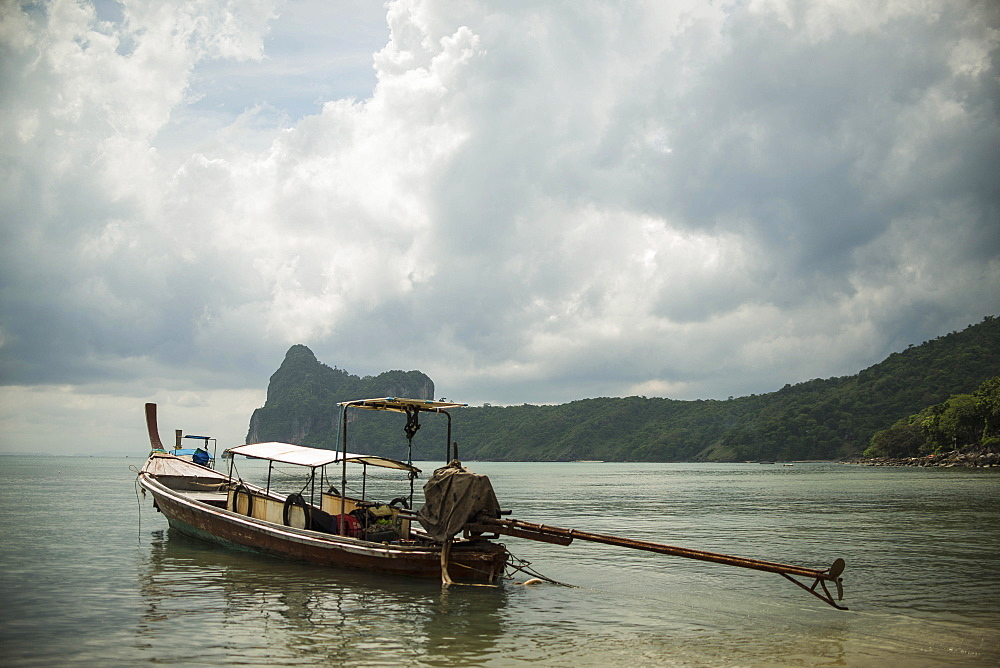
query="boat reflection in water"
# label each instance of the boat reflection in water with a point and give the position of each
(283, 612)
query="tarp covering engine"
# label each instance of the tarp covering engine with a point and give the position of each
(453, 497)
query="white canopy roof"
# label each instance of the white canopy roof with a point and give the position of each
(304, 456)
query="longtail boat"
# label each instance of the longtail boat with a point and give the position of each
(320, 524)
(453, 536)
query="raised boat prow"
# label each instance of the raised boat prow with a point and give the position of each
(151, 428)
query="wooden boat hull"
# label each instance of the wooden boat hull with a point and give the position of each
(481, 561)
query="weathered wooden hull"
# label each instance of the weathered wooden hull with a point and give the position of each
(479, 562)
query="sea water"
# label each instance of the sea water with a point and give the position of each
(91, 575)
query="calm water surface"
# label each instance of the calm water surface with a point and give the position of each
(88, 576)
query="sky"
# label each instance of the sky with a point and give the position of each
(529, 201)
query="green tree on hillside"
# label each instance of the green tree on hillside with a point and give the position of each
(961, 421)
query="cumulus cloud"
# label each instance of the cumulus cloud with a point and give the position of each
(528, 202)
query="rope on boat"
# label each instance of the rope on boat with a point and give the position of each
(388, 477)
(412, 425)
(138, 501)
(517, 565)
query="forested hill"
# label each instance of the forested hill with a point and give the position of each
(817, 419)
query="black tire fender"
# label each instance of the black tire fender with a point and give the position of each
(293, 500)
(242, 489)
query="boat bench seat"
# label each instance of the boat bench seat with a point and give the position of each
(218, 499)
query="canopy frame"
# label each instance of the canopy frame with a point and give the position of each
(412, 408)
(316, 458)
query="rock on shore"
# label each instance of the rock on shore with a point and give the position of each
(955, 458)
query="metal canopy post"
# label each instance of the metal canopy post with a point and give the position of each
(341, 529)
(447, 440)
(312, 485)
